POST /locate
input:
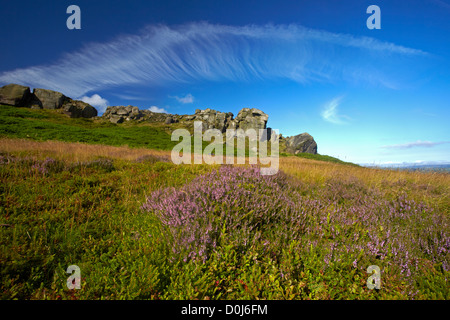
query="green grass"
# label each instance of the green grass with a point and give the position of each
(57, 213)
(45, 125)
(325, 158)
(86, 214)
(89, 214)
(50, 125)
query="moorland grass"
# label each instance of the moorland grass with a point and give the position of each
(321, 157)
(125, 217)
(45, 125)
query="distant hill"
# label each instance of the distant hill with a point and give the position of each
(426, 166)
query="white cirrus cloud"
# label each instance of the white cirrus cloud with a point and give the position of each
(330, 112)
(160, 55)
(418, 143)
(157, 109)
(96, 101)
(189, 98)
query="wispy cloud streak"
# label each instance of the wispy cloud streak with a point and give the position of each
(418, 143)
(330, 112)
(161, 55)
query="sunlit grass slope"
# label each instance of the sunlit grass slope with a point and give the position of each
(140, 227)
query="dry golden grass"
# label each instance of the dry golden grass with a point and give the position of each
(74, 151)
(430, 187)
(424, 186)
(320, 171)
(306, 169)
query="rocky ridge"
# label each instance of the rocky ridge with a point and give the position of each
(247, 118)
(21, 96)
(212, 119)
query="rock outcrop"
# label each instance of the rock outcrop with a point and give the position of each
(79, 109)
(15, 95)
(21, 96)
(169, 120)
(250, 119)
(212, 119)
(50, 99)
(247, 118)
(119, 114)
(303, 142)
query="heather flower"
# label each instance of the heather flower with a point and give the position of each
(239, 201)
(149, 158)
(46, 166)
(344, 218)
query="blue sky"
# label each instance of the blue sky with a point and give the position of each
(366, 96)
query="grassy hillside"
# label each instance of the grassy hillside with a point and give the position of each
(319, 157)
(45, 125)
(141, 227)
(52, 125)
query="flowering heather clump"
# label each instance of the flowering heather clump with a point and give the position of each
(43, 167)
(149, 158)
(104, 164)
(48, 165)
(239, 204)
(343, 221)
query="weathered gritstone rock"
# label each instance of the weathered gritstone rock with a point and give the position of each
(169, 120)
(50, 99)
(116, 119)
(250, 119)
(79, 109)
(20, 96)
(119, 114)
(211, 119)
(302, 143)
(15, 95)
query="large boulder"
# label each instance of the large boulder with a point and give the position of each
(50, 99)
(116, 119)
(79, 109)
(250, 119)
(302, 143)
(15, 95)
(212, 119)
(169, 120)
